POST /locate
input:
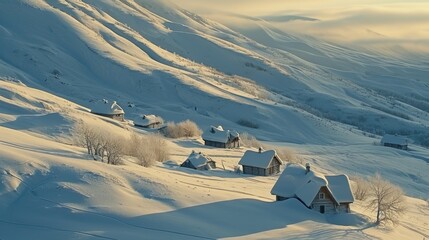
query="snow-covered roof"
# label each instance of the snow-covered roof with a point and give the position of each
(340, 188)
(147, 120)
(198, 159)
(258, 159)
(295, 181)
(104, 107)
(218, 134)
(394, 139)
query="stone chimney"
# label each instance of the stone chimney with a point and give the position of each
(307, 167)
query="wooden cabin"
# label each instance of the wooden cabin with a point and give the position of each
(106, 109)
(395, 141)
(149, 121)
(199, 161)
(261, 163)
(218, 137)
(324, 194)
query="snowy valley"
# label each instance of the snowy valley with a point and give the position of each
(328, 103)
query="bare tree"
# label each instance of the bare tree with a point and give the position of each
(111, 147)
(86, 136)
(100, 144)
(114, 149)
(361, 188)
(386, 199)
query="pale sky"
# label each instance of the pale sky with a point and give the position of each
(365, 21)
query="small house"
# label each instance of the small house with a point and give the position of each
(148, 121)
(394, 141)
(261, 163)
(199, 161)
(325, 194)
(106, 109)
(218, 137)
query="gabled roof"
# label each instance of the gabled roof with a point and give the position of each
(394, 139)
(198, 159)
(259, 159)
(340, 188)
(104, 107)
(217, 134)
(295, 181)
(147, 120)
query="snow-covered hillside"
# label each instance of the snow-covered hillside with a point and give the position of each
(168, 61)
(53, 190)
(323, 100)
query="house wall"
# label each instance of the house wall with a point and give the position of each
(274, 167)
(254, 171)
(327, 201)
(344, 208)
(212, 164)
(404, 147)
(187, 164)
(235, 143)
(214, 144)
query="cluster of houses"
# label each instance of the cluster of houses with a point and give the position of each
(322, 193)
(113, 110)
(325, 194)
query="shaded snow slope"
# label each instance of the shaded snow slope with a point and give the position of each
(173, 63)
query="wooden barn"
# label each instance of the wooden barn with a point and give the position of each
(106, 109)
(395, 141)
(149, 121)
(199, 161)
(261, 163)
(325, 194)
(218, 137)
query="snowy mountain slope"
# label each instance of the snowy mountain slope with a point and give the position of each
(51, 189)
(168, 61)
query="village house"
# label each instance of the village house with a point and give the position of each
(199, 161)
(148, 121)
(261, 163)
(218, 137)
(325, 194)
(394, 141)
(106, 109)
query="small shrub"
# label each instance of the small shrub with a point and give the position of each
(183, 129)
(248, 140)
(148, 149)
(288, 155)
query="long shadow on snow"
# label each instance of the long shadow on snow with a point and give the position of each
(231, 218)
